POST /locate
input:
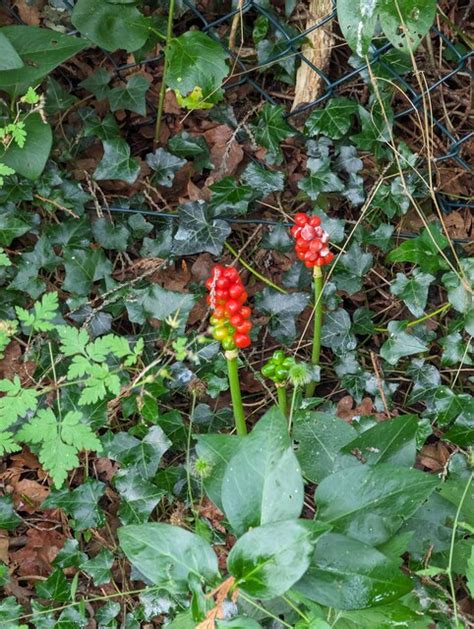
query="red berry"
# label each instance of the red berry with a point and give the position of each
(231, 273)
(235, 290)
(307, 233)
(236, 320)
(222, 283)
(232, 307)
(242, 340)
(245, 312)
(245, 327)
(301, 219)
(315, 221)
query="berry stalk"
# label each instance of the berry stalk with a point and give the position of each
(318, 317)
(282, 399)
(237, 406)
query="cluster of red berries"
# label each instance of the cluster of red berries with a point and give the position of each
(311, 240)
(230, 317)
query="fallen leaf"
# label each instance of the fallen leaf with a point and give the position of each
(36, 556)
(29, 495)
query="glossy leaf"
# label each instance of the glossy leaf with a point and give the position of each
(416, 21)
(131, 97)
(165, 166)
(263, 181)
(334, 120)
(319, 437)
(197, 232)
(336, 332)
(424, 250)
(400, 343)
(413, 291)
(269, 559)
(80, 503)
(30, 160)
(371, 503)
(347, 574)
(283, 311)
(262, 481)
(99, 567)
(357, 20)
(168, 555)
(117, 163)
(270, 131)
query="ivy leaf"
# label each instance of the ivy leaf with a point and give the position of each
(424, 250)
(194, 146)
(456, 350)
(277, 239)
(262, 482)
(99, 567)
(283, 310)
(351, 269)
(459, 286)
(138, 496)
(139, 225)
(320, 179)
(57, 97)
(109, 28)
(413, 291)
(370, 503)
(392, 198)
(229, 198)
(400, 343)
(165, 166)
(8, 517)
(158, 303)
(97, 83)
(267, 560)
(197, 232)
(117, 163)
(83, 268)
(196, 60)
(54, 588)
(380, 237)
(16, 402)
(81, 504)
(263, 181)
(143, 455)
(168, 555)
(270, 131)
(131, 97)
(110, 236)
(336, 332)
(13, 224)
(334, 120)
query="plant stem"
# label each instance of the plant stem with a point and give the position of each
(318, 317)
(258, 275)
(451, 551)
(239, 415)
(161, 98)
(282, 399)
(292, 408)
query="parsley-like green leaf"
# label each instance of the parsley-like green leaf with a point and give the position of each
(39, 319)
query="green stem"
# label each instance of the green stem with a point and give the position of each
(161, 98)
(292, 408)
(451, 551)
(258, 275)
(425, 317)
(318, 317)
(239, 415)
(282, 399)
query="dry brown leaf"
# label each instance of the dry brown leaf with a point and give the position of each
(4, 546)
(434, 456)
(29, 495)
(36, 556)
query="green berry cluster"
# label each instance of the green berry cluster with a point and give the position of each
(278, 367)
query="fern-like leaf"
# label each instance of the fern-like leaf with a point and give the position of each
(7, 443)
(73, 341)
(16, 402)
(39, 319)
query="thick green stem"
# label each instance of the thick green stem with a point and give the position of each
(237, 407)
(282, 399)
(318, 317)
(161, 98)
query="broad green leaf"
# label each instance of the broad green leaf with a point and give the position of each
(400, 343)
(84, 267)
(81, 504)
(99, 567)
(97, 83)
(470, 572)
(267, 560)
(110, 27)
(283, 311)
(336, 332)
(321, 178)
(262, 481)
(229, 198)
(278, 239)
(392, 198)
(319, 438)
(8, 517)
(70, 555)
(424, 250)
(41, 50)
(30, 160)
(117, 163)
(165, 166)
(270, 131)
(357, 20)
(456, 351)
(216, 450)
(413, 291)
(263, 181)
(334, 120)
(198, 232)
(371, 503)
(110, 236)
(347, 574)
(168, 555)
(57, 97)
(13, 224)
(404, 23)
(391, 441)
(9, 58)
(131, 97)
(196, 60)
(462, 431)
(352, 268)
